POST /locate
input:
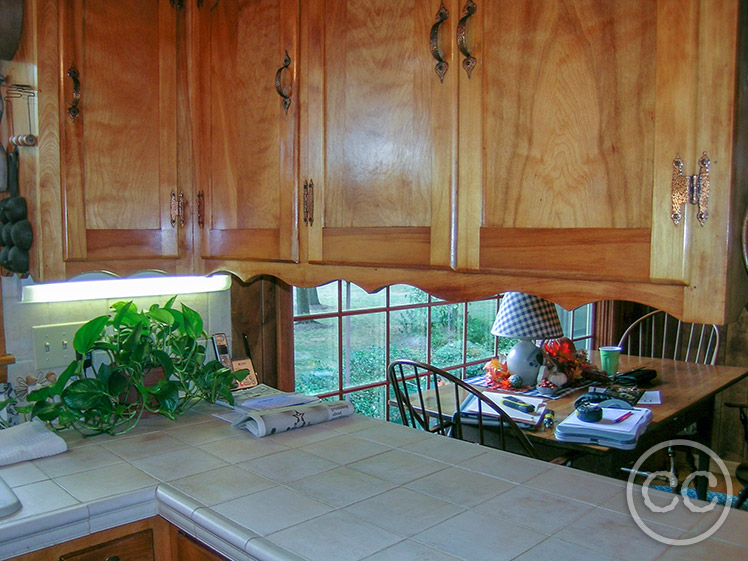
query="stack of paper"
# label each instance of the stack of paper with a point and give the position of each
(610, 431)
(531, 419)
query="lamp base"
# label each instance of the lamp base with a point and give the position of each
(524, 360)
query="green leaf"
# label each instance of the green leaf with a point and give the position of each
(166, 393)
(86, 394)
(117, 384)
(161, 316)
(46, 411)
(193, 322)
(73, 369)
(86, 336)
(170, 302)
(121, 309)
(165, 361)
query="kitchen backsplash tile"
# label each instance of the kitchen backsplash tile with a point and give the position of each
(19, 318)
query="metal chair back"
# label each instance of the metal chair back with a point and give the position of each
(430, 398)
(660, 335)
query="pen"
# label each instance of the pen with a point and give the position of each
(624, 417)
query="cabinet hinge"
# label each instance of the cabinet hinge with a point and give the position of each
(308, 202)
(201, 209)
(180, 208)
(693, 189)
(173, 210)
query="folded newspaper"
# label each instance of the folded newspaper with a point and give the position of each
(271, 421)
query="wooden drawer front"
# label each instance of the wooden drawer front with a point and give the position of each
(189, 549)
(135, 547)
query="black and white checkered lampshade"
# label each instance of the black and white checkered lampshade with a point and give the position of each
(524, 316)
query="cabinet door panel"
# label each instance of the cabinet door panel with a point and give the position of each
(247, 140)
(381, 125)
(557, 138)
(119, 153)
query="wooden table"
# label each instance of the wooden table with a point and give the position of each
(687, 391)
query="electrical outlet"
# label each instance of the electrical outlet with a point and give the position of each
(53, 345)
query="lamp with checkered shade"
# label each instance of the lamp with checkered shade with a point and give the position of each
(528, 318)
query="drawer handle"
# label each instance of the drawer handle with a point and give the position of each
(285, 93)
(441, 65)
(73, 110)
(467, 12)
(112, 558)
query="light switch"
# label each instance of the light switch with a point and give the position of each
(53, 345)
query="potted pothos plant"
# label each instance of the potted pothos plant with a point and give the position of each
(109, 386)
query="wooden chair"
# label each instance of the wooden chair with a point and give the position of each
(741, 472)
(660, 335)
(411, 383)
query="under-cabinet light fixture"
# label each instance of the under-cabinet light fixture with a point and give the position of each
(123, 288)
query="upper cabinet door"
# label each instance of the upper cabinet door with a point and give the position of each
(118, 116)
(379, 158)
(247, 131)
(557, 133)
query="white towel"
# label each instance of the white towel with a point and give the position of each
(28, 441)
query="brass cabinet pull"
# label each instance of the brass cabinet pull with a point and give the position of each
(73, 110)
(467, 12)
(285, 93)
(441, 65)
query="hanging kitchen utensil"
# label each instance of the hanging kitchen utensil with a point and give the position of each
(11, 23)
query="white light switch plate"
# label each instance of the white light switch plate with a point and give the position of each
(53, 345)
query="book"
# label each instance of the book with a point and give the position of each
(470, 405)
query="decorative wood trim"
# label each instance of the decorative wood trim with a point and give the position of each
(378, 246)
(584, 253)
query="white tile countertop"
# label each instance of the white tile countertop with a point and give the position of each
(350, 489)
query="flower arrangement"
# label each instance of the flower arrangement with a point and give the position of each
(561, 357)
(498, 376)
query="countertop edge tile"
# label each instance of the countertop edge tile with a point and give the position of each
(44, 537)
(264, 549)
(223, 528)
(176, 500)
(177, 518)
(221, 546)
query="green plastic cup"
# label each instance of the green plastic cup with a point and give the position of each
(609, 359)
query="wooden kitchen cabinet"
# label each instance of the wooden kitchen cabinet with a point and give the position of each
(247, 93)
(379, 141)
(569, 126)
(347, 142)
(118, 129)
(134, 547)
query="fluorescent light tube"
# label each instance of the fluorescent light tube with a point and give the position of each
(123, 288)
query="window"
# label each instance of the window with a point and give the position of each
(344, 338)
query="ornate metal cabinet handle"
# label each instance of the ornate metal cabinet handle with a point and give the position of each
(285, 93)
(306, 201)
(700, 195)
(441, 65)
(73, 110)
(467, 12)
(180, 208)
